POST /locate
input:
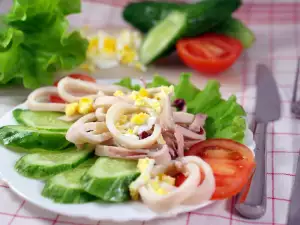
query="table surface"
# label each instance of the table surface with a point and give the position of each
(277, 28)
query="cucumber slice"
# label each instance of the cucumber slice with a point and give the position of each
(109, 179)
(27, 138)
(66, 187)
(45, 165)
(163, 36)
(43, 120)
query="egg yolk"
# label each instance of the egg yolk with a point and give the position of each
(139, 119)
(109, 45)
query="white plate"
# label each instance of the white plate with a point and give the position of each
(30, 190)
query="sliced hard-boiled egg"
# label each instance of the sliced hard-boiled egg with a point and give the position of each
(118, 93)
(145, 166)
(71, 109)
(85, 105)
(140, 118)
(108, 51)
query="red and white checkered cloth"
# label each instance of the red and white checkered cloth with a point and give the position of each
(277, 27)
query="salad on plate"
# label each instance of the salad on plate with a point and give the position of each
(165, 145)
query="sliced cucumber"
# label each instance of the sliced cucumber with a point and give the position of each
(44, 120)
(163, 36)
(66, 187)
(45, 165)
(109, 179)
(27, 138)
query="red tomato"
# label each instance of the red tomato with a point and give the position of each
(232, 164)
(80, 77)
(210, 53)
(56, 99)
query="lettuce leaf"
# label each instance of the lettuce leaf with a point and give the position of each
(158, 81)
(225, 117)
(185, 89)
(35, 41)
(127, 82)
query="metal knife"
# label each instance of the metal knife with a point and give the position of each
(251, 202)
(294, 208)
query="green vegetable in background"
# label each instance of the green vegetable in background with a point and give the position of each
(225, 117)
(35, 42)
(202, 16)
(236, 29)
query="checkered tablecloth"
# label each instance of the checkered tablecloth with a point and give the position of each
(277, 28)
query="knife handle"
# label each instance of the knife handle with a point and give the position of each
(252, 200)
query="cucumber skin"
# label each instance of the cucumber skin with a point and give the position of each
(27, 138)
(61, 194)
(18, 114)
(236, 29)
(202, 16)
(118, 188)
(37, 172)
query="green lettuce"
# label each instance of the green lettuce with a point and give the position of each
(35, 41)
(225, 118)
(127, 83)
(158, 81)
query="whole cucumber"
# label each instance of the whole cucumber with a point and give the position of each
(202, 16)
(236, 29)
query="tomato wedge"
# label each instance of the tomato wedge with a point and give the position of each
(57, 99)
(210, 53)
(232, 164)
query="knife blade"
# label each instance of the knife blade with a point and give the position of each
(251, 202)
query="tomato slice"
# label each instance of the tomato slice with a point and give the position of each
(232, 164)
(80, 77)
(210, 53)
(56, 99)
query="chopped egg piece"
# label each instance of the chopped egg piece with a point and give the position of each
(93, 45)
(168, 179)
(145, 166)
(139, 66)
(129, 131)
(109, 45)
(108, 51)
(161, 191)
(155, 184)
(139, 119)
(143, 92)
(118, 93)
(156, 106)
(167, 90)
(134, 193)
(123, 119)
(142, 164)
(71, 109)
(85, 105)
(128, 55)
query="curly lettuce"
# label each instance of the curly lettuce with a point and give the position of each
(225, 117)
(35, 42)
